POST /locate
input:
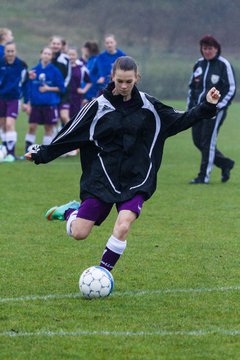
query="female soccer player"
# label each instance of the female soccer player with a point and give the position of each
(105, 60)
(46, 84)
(121, 135)
(13, 86)
(79, 76)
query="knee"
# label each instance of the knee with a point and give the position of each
(122, 229)
(79, 233)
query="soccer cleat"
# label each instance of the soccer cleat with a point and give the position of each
(198, 180)
(226, 172)
(9, 159)
(57, 212)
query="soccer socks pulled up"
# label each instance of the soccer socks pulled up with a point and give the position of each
(29, 140)
(11, 139)
(114, 249)
(47, 139)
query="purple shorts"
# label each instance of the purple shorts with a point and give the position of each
(96, 210)
(64, 106)
(9, 108)
(44, 114)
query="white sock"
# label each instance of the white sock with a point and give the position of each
(11, 139)
(47, 139)
(69, 222)
(3, 135)
(115, 245)
(30, 138)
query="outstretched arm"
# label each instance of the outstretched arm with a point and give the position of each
(174, 121)
(74, 134)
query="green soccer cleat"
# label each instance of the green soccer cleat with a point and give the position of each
(57, 212)
(9, 159)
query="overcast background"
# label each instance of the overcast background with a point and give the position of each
(162, 35)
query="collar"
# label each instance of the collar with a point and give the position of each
(117, 100)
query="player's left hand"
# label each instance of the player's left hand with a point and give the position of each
(213, 96)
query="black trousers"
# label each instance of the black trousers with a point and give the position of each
(204, 135)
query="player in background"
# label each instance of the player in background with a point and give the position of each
(64, 46)
(79, 75)
(13, 86)
(106, 59)
(5, 36)
(62, 62)
(45, 85)
(121, 135)
(211, 70)
(91, 51)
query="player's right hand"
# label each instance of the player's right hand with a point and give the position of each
(33, 149)
(28, 156)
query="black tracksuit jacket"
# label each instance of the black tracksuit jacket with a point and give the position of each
(217, 72)
(121, 144)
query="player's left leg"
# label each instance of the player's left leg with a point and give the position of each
(224, 163)
(50, 117)
(48, 134)
(10, 128)
(2, 130)
(64, 115)
(10, 137)
(128, 213)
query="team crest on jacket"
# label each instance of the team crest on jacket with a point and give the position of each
(215, 79)
(198, 72)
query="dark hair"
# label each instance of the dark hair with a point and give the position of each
(92, 47)
(125, 63)
(209, 40)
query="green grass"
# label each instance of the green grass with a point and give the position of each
(176, 290)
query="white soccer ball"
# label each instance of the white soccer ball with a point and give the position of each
(3, 152)
(96, 282)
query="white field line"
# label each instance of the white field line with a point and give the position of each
(124, 293)
(196, 333)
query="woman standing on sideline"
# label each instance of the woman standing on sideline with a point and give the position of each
(121, 136)
(211, 70)
(5, 36)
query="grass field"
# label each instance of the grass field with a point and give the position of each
(177, 285)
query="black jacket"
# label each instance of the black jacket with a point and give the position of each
(121, 144)
(217, 72)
